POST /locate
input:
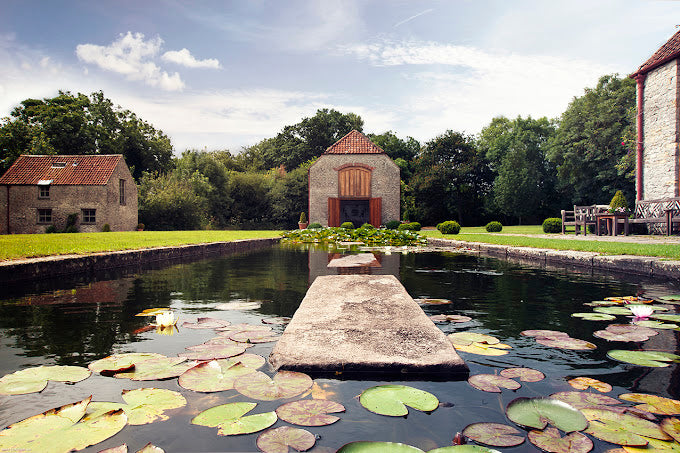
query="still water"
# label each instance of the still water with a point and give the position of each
(75, 323)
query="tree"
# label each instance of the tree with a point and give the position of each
(592, 157)
(403, 152)
(450, 181)
(524, 180)
(289, 196)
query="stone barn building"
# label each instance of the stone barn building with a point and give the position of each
(658, 123)
(355, 181)
(39, 191)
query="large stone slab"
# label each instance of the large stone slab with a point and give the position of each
(364, 323)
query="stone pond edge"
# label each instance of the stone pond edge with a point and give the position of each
(641, 265)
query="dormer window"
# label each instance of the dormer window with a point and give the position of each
(44, 188)
(59, 165)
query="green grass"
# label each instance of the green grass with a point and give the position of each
(15, 246)
(478, 234)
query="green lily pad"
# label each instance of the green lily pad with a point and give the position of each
(155, 369)
(206, 323)
(450, 318)
(492, 383)
(61, 430)
(613, 310)
(656, 324)
(654, 445)
(670, 299)
(657, 359)
(378, 447)
(566, 343)
(117, 363)
(463, 449)
(621, 429)
(35, 379)
(151, 448)
(310, 412)
(593, 316)
(392, 400)
(666, 317)
(583, 383)
(551, 440)
(524, 374)
(581, 400)
(278, 440)
(544, 333)
(625, 332)
(671, 426)
(143, 406)
(494, 434)
(468, 338)
(601, 303)
(219, 375)
(538, 412)
(285, 384)
(213, 351)
(653, 403)
(153, 311)
(230, 419)
(484, 348)
(253, 336)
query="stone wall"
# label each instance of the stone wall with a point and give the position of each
(660, 129)
(323, 184)
(24, 203)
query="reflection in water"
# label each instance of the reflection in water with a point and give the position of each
(90, 320)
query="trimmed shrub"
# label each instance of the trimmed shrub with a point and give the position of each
(51, 229)
(367, 226)
(140, 227)
(347, 225)
(552, 225)
(314, 225)
(71, 229)
(107, 228)
(494, 227)
(404, 227)
(392, 224)
(303, 217)
(618, 201)
(415, 226)
(449, 227)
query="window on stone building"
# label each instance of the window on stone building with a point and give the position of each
(43, 191)
(44, 216)
(121, 190)
(89, 215)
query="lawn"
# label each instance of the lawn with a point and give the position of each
(15, 246)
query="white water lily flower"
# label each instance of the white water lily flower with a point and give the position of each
(166, 319)
(641, 311)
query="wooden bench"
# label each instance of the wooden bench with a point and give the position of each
(658, 215)
(581, 217)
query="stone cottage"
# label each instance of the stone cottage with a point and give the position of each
(355, 181)
(658, 123)
(39, 191)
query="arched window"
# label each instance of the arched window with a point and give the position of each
(354, 182)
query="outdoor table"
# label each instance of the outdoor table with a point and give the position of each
(612, 218)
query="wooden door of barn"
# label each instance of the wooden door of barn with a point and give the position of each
(354, 197)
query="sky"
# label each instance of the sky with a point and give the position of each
(227, 74)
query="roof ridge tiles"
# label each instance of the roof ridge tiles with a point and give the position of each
(667, 52)
(354, 142)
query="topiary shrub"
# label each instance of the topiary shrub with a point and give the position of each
(552, 225)
(404, 227)
(347, 225)
(392, 224)
(415, 226)
(106, 228)
(449, 227)
(367, 226)
(314, 225)
(618, 201)
(494, 227)
(140, 227)
(303, 217)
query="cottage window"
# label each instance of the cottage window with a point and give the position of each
(121, 190)
(43, 191)
(44, 216)
(89, 215)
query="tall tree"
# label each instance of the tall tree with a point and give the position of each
(592, 158)
(403, 152)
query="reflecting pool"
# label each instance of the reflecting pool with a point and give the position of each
(76, 322)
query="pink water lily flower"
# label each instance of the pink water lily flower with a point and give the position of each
(640, 312)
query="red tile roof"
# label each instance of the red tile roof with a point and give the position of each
(354, 143)
(62, 169)
(666, 53)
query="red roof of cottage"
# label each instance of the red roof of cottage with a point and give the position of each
(666, 53)
(354, 143)
(62, 169)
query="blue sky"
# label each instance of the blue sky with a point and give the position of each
(225, 74)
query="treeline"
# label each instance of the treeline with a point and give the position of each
(517, 170)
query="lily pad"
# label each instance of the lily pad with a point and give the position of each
(253, 336)
(158, 368)
(566, 343)
(671, 426)
(593, 316)
(492, 383)
(544, 333)
(153, 311)
(653, 403)
(494, 434)
(524, 374)
(551, 440)
(484, 349)
(612, 310)
(151, 448)
(392, 400)
(378, 447)
(219, 375)
(279, 320)
(656, 324)
(285, 384)
(143, 406)
(463, 449)
(35, 379)
(666, 317)
(310, 412)
(116, 363)
(213, 351)
(657, 359)
(538, 412)
(468, 338)
(206, 323)
(581, 400)
(621, 429)
(671, 298)
(61, 430)
(278, 440)
(601, 303)
(626, 332)
(238, 306)
(230, 419)
(228, 330)
(654, 445)
(582, 383)
(450, 318)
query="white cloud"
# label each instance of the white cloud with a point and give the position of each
(183, 57)
(131, 56)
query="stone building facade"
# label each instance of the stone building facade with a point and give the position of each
(354, 180)
(39, 191)
(658, 123)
